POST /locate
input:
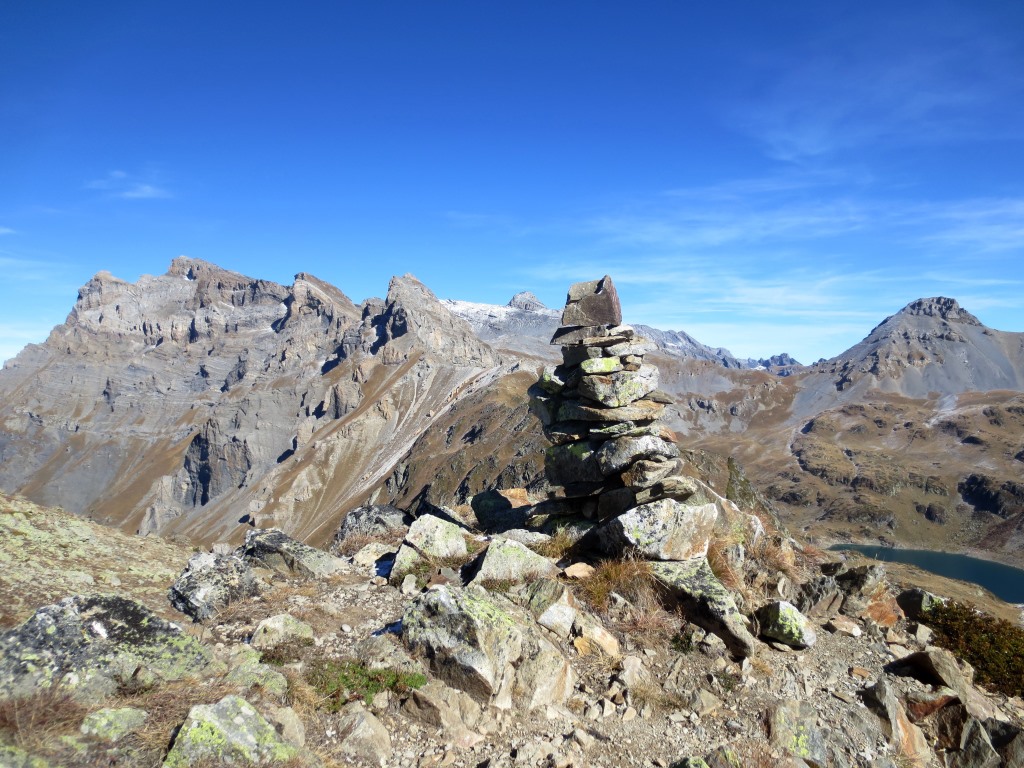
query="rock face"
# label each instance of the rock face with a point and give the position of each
(91, 644)
(274, 549)
(202, 400)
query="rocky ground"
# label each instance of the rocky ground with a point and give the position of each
(644, 688)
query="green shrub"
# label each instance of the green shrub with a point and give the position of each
(345, 680)
(994, 647)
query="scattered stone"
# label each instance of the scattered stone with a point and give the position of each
(842, 625)
(578, 571)
(111, 725)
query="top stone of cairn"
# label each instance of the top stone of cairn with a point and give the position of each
(595, 302)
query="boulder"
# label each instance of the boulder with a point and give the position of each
(706, 602)
(917, 602)
(820, 597)
(363, 736)
(937, 666)
(92, 644)
(431, 538)
(591, 303)
(509, 561)
(618, 390)
(212, 582)
(553, 606)
(781, 621)
(483, 645)
(906, 738)
(976, 750)
(277, 629)
(229, 732)
(442, 707)
(383, 521)
(660, 530)
(273, 548)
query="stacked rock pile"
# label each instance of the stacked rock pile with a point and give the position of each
(612, 459)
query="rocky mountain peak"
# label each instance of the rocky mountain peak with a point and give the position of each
(941, 307)
(526, 300)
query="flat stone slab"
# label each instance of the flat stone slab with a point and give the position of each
(595, 302)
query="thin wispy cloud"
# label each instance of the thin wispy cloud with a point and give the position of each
(900, 83)
(6, 231)
(127, 186)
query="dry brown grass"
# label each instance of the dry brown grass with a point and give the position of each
(724, 571)
(167, 707)
(645, 617)
(653, 695)
(557, 546)
(356, 541)
(35, 723)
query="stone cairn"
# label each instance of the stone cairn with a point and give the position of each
(612, 460)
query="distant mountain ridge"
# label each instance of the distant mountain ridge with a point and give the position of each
(202, 401)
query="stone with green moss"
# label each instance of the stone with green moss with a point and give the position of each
(572, 463)
(620, 389)
(792, 728)
(470, 639)
(113, 724)
(229, 732)
(429, 538)
(660, 530)
(601, 365)
(782, 621)
(706, 602)
(14, 757)
(93, 643)
(506, 560)
(274, 630)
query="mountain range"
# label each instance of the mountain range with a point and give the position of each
(203, 401)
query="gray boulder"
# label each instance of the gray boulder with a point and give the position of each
(229, 732)
(485, 646)
(91, 644)
(273, 548)
(431, 538)
(363, 735)
(781, 621)
(916, 602)
(383, 521)
(660, 530)
(793, 731)
(211, 583)
(510, 561)
(278, 629)
(616, 455)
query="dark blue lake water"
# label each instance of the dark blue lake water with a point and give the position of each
(1001, 580)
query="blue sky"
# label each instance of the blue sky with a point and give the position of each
(767, 177)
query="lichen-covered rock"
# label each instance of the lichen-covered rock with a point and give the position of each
(660, 530)
(793, 731)
(275, 630)
(91, 644)
(485, 646)
(617, 390)
(431, 537)
(574, 410)
(820, 597)
(15, 757)
(229, 732)
(210, 583)
(451, 710)
(469, 640)
(706, 602)
(245, 669)
(510, 561)
(112, 724)
(372, 520)
(273, 548)
(363, 736)
(916, 602)
(616, 455)
(781, 621)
